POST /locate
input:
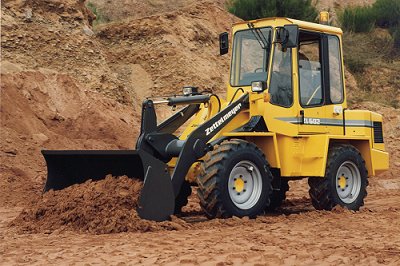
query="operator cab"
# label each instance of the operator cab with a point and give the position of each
(299, 65)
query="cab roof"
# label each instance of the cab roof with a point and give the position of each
(278, 21)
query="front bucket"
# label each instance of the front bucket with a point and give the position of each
(157, 199)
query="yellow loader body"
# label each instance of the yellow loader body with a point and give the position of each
(300, 149)
(285, 117)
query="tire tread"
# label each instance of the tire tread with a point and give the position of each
(210, 170)
(320, 189)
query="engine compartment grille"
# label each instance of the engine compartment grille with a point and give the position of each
(378, 134)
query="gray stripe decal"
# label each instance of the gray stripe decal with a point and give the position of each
(293, 120)
(328, 122)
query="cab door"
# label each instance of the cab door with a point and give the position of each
(311, 83)
(335, 96)
(280, 113)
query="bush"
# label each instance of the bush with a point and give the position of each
(396, 36)
(356, 65)
(255, 9)
(357, 19)
(387, 13)
(383, 13)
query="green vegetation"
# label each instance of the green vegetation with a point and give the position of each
(372, 55)
(357, 19)
(371, 59)
(254, 9)
(356, 65)
(100, 18)
(387, 13)
(383, 14)
(395, 31)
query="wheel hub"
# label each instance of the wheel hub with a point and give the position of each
(239, 184)
(342, 182)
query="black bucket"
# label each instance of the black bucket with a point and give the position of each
(157, 199)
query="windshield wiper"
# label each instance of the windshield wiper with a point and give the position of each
(264, 43)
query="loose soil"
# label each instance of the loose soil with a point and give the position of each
(92, 206)
(100, 207)
(295, 234)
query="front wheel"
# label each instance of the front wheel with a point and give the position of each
(235, 180)
(182, 199)
(345, 182)
(278, 195)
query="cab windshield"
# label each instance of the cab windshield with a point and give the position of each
(249, 58)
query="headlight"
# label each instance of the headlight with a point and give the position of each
(189, 90)
(258, 86)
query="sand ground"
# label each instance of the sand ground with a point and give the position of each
(296, 235)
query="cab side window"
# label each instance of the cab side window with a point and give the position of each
(281, 77)
(335, 70)
(310, 73)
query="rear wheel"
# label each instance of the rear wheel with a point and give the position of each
(235, 180)
(345, 182)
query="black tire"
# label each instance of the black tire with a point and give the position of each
(278, 196)
(216, 175)
(326, 192)
(182, 199)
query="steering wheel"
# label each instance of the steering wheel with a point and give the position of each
(313, 94)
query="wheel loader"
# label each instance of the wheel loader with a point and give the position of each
(285, 117)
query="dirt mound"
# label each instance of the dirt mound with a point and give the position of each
(180, 48)
(54, 64)
(49, 110)
(101, 207)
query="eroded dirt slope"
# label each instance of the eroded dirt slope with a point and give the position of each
(50, 111)
(65, 86)
(179, 48)
(109, 11)
(119, 59)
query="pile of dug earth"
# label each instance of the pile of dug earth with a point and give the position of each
(100, 207)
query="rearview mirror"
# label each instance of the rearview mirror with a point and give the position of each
(288, 36)
(223, 43)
